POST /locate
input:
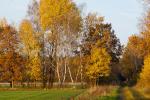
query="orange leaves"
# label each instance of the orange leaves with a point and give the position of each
(12, 66)
(10, 59)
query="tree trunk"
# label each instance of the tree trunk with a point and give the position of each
(28, 83)
(50, 83)
(58, 75)
(77, 75)
(22, 84)
(12, 84)
(81, 75)
(70, 74)
(50, 78)
(35, 83)
(44, 77)
(81, 70)
(64, 76)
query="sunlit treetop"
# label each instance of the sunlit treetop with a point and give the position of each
(54, 12)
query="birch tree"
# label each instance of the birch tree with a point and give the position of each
(62, 19)
(31, 49)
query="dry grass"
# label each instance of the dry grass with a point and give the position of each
(127, 94)
(135, 93)
(95, 92)
(144, 91)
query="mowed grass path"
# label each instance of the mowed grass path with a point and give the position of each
(54, 94)
(100, 93)
(129, 93)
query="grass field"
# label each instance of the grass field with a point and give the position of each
(54, 94)
(95, 93)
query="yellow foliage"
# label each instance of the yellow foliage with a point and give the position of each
(27, 37)
(35, 69)
(31, 49)
(145, 74)
(99, 63)
(54, 13)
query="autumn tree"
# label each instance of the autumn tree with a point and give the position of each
(31, 49)
(47, 61)
(95, 25)
(34, 16)
(96, 30)
(145, 35)
(98, 65)
(3, 23)
(12, 68)
(146, 2)
(132, 59)
(136, 50)
(61, 18)
(144, 80)
(10, 60)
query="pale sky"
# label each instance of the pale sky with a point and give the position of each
(123, 14)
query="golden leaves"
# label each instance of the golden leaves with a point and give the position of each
(56, 12)
(31, 49)
(99, 63)
(145, 74)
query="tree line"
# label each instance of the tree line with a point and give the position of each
(55, 43)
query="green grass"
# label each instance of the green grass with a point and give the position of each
(54, 94)
(95, 93)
